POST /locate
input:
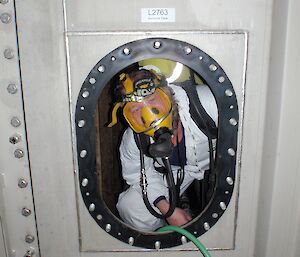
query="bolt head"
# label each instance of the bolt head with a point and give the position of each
(15, 122)
(9, 53)
(12, 88)
(5, 18)
(26, 212)
(19, 153)
(15, 139)
(29, 239)
(22, 183)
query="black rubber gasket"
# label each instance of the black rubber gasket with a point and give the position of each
(224, 94)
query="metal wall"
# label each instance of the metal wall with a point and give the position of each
(48, 48)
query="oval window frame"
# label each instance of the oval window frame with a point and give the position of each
(225, 158)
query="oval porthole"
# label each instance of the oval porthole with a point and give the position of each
(97, 146)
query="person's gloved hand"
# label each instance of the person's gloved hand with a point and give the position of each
(179, 216)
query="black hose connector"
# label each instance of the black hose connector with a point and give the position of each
(162, 147)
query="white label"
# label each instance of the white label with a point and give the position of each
(158, 15)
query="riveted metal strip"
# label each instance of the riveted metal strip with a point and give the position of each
(16, 196)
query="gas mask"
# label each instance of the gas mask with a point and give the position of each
(147, 109)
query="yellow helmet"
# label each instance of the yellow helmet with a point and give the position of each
(146, 106)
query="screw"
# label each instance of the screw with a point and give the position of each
(3, 1)
(26, 212)
(5, 18)
(206, 226)
(12, 88)
(29, 239)
(157, 244)
(22, 183)
(9, 53)
(19, 153)
(15, 139)
(187, 50)
(183, 240)
(15, 122)
(229, 180)
(157, 44)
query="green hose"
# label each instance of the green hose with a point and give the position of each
(190, 236)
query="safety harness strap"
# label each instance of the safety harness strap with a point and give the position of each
(204, 122)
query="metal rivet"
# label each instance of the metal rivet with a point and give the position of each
(3, 1)
(101, 68)
(15, 139)
(108, 228)
(85, 94)
(183, 240)
(126, 51)
(229, 180)
(92, 80)
(19, 153)
(130, 240)
(195, 233)
(223, 206)
(231, 152)
(226, 192)
(231, 107)
(228, 92)
(82, 108)
(5, 18)
(87, 193)
(99, 217)
(233, 121)
(215, 215)
(29, 239)
(92, 207)
(119, 233)
(212, 67)
(157, 245)
(206, 226)
(22, 183)
(157, 44)
(26, 212)
(12, 89)
(81, 123)
(15, 122)
(187, 50)
(200, 58)
(83, 153)
(221, 79)
(9, 53)
(84, 182)
(113, 58)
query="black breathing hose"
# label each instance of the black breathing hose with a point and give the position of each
(170, 182)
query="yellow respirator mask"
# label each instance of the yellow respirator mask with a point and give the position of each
(146, 107)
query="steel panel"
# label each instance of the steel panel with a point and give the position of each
(233, 61)
(43, 61)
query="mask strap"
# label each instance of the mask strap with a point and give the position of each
(114, 115)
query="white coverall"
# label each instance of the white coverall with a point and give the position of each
(130, 205)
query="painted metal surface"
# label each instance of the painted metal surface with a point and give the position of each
(18, 232)
(224, 94)
(50, 30)
(91, 235)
